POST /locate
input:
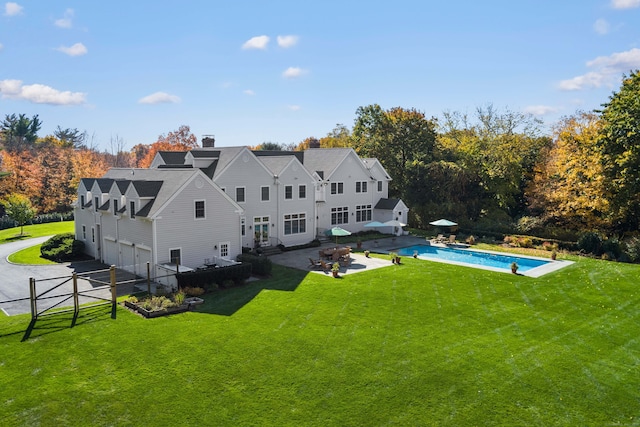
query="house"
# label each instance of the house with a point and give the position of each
(172, 218)
(195, 207)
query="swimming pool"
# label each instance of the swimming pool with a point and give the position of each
(529, 266)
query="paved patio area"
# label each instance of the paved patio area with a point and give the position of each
(300, 258)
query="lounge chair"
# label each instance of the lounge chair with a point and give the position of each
(325, 266)
(452, 239)
(314, 264)
(439, 239)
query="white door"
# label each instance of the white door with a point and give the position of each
(261, 230)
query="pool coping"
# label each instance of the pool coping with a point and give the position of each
(549, 267)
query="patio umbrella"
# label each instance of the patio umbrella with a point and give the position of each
(443, 223)
(337, 231)
(394, 223)
(374, 224)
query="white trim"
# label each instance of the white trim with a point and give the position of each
(195, 210)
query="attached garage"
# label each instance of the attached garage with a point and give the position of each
(143, 256)
(110, 252)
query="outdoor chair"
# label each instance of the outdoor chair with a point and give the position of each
(325, 266)
(452, 239)
(314, 264)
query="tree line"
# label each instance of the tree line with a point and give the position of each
(491, 170)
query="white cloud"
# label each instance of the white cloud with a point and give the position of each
(159, 98)
(625, 4)
(287, 41)
(39, 94)
(77, 49)
(294, 107)
(293, 72)
(12, 9)
(258, 42)
(607, 70)
(248, 92)
(540, 110)
(1, 47)
(601, 26)
(65, 22)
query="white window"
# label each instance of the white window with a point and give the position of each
(363, 213)
(340, 215)
(84, 232)
(302, 191)
(240, 194)
(379, 186)
(361, 186)
(288, 192)
(243, 225)
(295, 223)
(264, 191)
(337, 188)
(132, 210)
(199, 209)
(224, 249)
(81, 202)
(93, 235)
(115, 205)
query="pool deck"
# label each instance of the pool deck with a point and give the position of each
(299, 259)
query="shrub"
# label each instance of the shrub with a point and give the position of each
(613, 246)
(193, 292)
(207, 277)
(525, 242)
(590, 243)
(633, 249)
(62, 247)
(261, 266)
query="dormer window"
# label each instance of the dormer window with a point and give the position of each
(132, 209)
(115, 206)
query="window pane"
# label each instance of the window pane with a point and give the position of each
(288, 192)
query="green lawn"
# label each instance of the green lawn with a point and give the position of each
(417, 344)
(37, 230)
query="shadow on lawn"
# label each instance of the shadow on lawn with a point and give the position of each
(227, 301)
(57, 322)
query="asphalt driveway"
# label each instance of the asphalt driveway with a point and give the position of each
(14, 280)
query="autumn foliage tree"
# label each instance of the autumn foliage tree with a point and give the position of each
(180, 140)
(569, 187)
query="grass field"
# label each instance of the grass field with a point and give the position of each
(31, 255)
(417, 344)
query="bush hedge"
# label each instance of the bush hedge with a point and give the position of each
(62, 247)
(261, 265)
(224, 276)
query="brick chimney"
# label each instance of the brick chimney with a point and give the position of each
(208, 141)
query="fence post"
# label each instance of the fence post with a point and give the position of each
(112, 273)
(32, 297)
(148, 279)
(76, 303)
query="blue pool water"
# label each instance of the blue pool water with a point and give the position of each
(475, 258)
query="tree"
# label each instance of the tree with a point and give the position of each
(569, 186)
(269, 146)
(71, 137)
(501, 148)
(18, 208)
(399, 138)
(180, 140)
(620, 146)
(18, 130)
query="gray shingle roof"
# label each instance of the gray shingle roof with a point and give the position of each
(173, 157)
(387, 204)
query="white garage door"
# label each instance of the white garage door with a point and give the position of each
(110, 252)
(144, 256)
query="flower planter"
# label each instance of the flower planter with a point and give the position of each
(163, 312)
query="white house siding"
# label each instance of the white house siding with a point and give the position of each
(348, 172)
(176, 226)
(246, 171)
(295, 175)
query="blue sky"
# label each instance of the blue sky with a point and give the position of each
(282, 71)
